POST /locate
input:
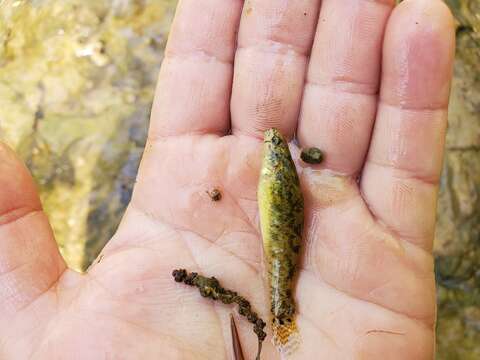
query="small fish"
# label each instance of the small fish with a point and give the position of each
(281, 217)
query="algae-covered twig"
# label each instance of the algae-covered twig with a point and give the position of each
(210, 287)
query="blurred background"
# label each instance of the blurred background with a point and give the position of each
(77, 79)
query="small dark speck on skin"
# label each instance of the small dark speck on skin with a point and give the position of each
(304, 14)
(215, 195)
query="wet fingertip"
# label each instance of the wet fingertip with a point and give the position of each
(418, 55)
(433, 14)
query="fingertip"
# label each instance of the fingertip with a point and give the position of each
(418, 54)
(427, 25)
(431, 8)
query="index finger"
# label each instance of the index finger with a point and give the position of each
(194, 84)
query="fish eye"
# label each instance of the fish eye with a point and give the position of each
(276, 140)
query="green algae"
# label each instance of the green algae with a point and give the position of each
(76, 85)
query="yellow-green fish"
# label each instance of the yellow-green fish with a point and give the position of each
(281, 217)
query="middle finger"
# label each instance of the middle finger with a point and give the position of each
(340, 97)
(274, 42)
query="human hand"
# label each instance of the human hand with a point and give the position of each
(366, 285)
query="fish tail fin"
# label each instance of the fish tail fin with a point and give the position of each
(286, 338)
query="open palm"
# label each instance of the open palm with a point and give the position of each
(367, 85)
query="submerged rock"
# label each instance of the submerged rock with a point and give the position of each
(76, 87)
(457, 243)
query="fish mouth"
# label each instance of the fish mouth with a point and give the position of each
(273, 136)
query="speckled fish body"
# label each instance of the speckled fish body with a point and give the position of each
(281, 218)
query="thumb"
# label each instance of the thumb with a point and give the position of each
(30, 263)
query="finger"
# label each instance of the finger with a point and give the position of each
(340, 96)
(402, 170)
(273, 48)
(30, 263)
(194, 85)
